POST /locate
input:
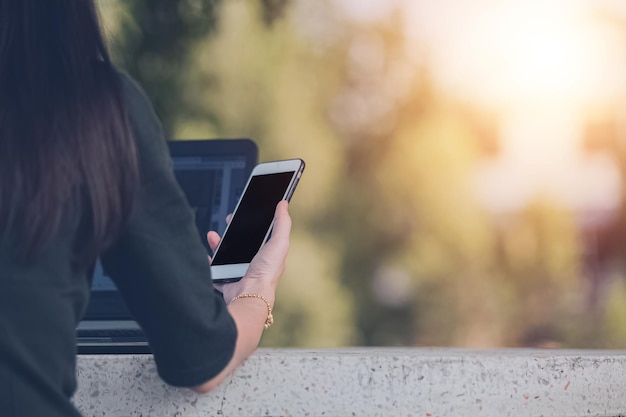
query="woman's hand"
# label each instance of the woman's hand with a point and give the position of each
(269, 263)
(262, 277)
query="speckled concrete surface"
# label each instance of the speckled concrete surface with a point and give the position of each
(370, 382)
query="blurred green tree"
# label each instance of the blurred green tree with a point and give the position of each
(155, 40)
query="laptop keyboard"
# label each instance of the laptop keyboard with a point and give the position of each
(115, 333)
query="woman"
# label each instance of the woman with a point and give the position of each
(85, 173)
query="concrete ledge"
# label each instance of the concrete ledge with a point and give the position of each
(370, 382)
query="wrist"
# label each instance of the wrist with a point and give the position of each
(267, 294)
(249, 286)
(269, 320)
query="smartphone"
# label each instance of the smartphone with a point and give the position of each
(253, 218)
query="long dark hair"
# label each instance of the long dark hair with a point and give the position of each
(65, 138)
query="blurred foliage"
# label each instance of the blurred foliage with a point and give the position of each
(153, 40)
(389, 244)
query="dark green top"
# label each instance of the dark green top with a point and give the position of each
(160, 267)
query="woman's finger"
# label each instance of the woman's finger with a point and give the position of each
(213, 239)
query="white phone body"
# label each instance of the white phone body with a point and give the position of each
(253, 217)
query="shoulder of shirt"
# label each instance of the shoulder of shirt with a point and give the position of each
(131, 89)
(139, 106)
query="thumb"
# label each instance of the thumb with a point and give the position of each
(282, 223)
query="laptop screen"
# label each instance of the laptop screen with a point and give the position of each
(212, 174)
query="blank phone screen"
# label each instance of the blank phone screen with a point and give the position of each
(253, 218)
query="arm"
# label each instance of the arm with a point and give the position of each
(262, 278)
(160, 265)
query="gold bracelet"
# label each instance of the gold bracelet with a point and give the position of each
(270, 318)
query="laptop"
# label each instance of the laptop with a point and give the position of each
(212, 174)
